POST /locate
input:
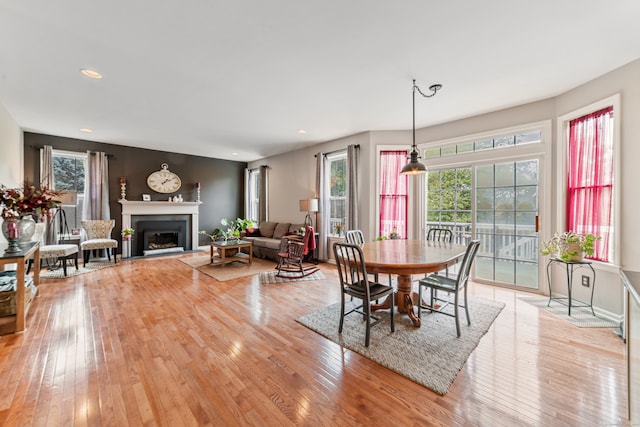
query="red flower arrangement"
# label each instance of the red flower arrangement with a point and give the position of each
(29, 199)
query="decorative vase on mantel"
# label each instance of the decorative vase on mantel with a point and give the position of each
(11, 232)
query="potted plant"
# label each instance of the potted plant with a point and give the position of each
(569, 246)
(339, 228)
(231, 229)
(127, 233)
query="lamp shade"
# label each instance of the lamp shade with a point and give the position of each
(69, 198)
(414, 167)
(309, 205)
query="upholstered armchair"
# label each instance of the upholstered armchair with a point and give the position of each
(50, 254)
(98, 233)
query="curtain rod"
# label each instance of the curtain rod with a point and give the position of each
(336, 151)
(35, 147)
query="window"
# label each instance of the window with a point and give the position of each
(482, 144)
(253, 195)
(449, 201)
(393, 193)
(337, 192)
(68, 176)
(489, 187)
(590, 174)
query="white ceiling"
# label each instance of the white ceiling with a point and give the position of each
(211, 77)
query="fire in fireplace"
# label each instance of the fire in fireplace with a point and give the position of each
(160, 236)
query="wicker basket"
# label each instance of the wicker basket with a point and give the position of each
(8, 297)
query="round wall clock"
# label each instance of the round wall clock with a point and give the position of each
(164, 181)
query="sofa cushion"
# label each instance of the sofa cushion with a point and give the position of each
(281, 230)
(265, 242)
(266, 228)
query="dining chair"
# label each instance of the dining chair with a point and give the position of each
(354, 281)
(440, 235)
(455, 286)
(98, 232)
(443, 235)
(356, 237)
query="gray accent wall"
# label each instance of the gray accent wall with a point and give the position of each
(221, 181)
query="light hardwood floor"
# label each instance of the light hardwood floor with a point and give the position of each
(154, 342)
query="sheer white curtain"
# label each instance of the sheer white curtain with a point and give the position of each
(96, 187)
(322, 221)
(46, 180)
(353, 195)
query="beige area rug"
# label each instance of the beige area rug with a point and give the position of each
(269, 277)
(55, 271)
(582, 317)
(229, 271)
(430, 355)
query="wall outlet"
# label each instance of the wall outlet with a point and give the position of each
(586, 281)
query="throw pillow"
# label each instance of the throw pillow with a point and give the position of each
(253, 232)
(281, 229)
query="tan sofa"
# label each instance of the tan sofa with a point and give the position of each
(266, 240)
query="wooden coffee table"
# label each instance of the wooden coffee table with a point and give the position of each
(230, 251)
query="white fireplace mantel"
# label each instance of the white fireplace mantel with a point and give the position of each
(130, 208)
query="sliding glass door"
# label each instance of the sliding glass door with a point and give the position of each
(506, 207)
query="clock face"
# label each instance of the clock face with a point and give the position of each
(164, 181)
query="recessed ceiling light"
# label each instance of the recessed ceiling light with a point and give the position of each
(91, 73)
(234, 154)
(86, 130)
(301, 131)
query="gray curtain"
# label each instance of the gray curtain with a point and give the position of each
(263, 204)
(96, 187)
(46, 180)
(322, 221)
(353, 199)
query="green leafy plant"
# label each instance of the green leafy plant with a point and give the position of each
(569, 245)
(231, 229)
(127, 231)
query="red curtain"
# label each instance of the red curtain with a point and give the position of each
(393, 193)
(590, 180)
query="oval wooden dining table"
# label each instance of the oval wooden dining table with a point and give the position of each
(404, 258)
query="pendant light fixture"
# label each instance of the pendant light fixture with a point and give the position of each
(414, 167)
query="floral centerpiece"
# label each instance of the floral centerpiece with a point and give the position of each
(569, 246)
(17, 202)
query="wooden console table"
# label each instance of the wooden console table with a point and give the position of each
(16, 323)
(224, 249)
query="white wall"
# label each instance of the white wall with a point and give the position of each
(292, 175)
(11, 152)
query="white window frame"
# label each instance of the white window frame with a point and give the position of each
(340, 155)
(561, 169)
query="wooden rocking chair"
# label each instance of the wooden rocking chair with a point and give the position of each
(291, 256)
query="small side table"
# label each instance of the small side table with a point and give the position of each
(570, 266)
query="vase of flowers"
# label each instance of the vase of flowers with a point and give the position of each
(569, 246)
(127, 233)
(19, 206)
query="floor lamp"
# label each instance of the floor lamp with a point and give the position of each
(308, 206)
